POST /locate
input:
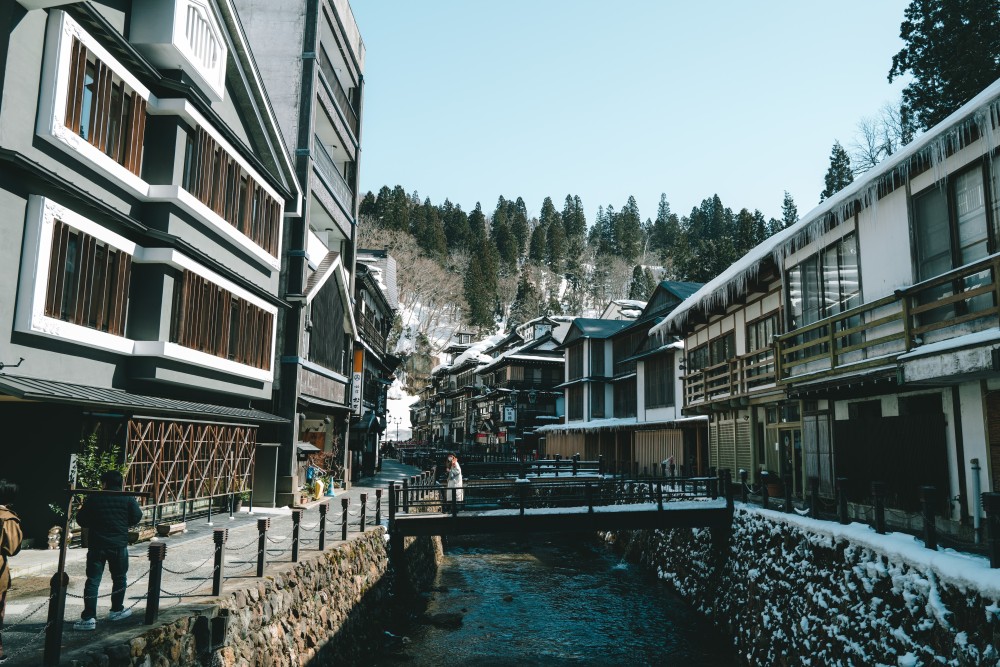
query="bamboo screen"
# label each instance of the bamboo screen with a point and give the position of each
(177, 461)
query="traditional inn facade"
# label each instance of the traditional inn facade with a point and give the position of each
(144, 189)
(863, 341)
(312, 61)
(623, 392)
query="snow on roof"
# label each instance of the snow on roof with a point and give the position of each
(983, 111)
(615, 423)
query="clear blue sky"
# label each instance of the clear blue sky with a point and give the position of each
(470, 99)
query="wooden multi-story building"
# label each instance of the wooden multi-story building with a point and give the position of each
(863, 341)
(312, 59)
(145, 185)
(622, 391)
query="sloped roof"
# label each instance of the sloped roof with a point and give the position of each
(37, 389)
(589, 327)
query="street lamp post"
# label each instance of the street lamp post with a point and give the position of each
(397, 421)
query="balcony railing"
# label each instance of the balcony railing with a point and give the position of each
(338, 92)
(956, 303)
(370, 333)
(331, 174)
(730, 379)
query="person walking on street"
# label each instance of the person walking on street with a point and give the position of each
(455, 478)
(107, 518)
(10, 544)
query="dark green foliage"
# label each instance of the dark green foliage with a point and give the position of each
(839, 174)
(503, 238)
(953, 52)
(527, 303)
(480, 284)
(396, 213)
(642, 284)
(556, 244)
(789, 211)
(574, 219)
(518, 215)
(539, 246)
(477, 226)
(456, 225)
(367, 206)
(428, 229)
(627, 231)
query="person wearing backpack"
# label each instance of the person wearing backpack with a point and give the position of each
(10, 544)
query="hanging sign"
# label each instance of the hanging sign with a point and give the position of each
(356, 380)
(509, 414)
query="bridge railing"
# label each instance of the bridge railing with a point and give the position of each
(534, 494)
(539, 468)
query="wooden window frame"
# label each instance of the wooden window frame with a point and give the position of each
(117, 129)
(658, 381)
(211, 319)
(95, 293)
(218, 181)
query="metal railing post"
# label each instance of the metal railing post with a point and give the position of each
(730, 500)
(364, 503)
(454, 501)
(588, 492)
(842, 501)
(262, 526)
(392, 507)
(927, 494)
(991, 505)
(54, 626)
(378, 507)
(787, 484)
(763, 489)
(406, 498)
(878, 495)
(343, 521)
(219, 536)
(743, 486)
(296, 525)
(157, 552)
(324, 507)
(814, 497)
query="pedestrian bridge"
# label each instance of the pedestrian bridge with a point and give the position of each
(557, 505)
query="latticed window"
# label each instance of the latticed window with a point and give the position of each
(103, 110)
(211, 319)
(88, 281)
(574, 409)
(576, 361)
(222, 184)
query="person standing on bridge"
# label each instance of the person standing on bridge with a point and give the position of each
(455, 478)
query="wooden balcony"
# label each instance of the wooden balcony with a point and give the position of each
(737, 377)
(956, 303)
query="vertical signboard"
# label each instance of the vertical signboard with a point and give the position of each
(356, 379)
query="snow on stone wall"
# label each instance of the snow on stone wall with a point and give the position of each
(790, 595)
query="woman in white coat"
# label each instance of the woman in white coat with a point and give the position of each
(455, 479)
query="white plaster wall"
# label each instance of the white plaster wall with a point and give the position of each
(975, 440)
(884, 247)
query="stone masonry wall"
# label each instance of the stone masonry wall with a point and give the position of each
(791, 593)
(330, 608)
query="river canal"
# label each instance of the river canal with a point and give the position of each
(554, 601)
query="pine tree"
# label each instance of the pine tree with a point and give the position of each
(480, 284)
(789, 211)
(397, 211)
(556, 244)
(518, 215)
(839, 174)
(539, 247)
(367, 206)
(573, 218)
(527, 303)
(628, 231)
(642, 284)
(503, 238)
(456, 225)
(953, 52)
(382, 203)
(477, 227)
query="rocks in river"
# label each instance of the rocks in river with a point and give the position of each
(443, 620)
(508, 598)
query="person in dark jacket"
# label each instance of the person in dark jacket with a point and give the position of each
(10, 544)
(107, 518)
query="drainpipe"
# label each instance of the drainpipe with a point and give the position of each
(977, 500)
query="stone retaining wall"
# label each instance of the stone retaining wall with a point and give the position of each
(794, 593)
(330, 608)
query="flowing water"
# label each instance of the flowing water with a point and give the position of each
(554, 601)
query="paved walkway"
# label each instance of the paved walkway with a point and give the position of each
(187, 569)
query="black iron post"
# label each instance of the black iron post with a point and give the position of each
(219, 536)
(378, 507)
(324, 507)
(659, 496)
(927, 494)
(296, 525)
(262, 526)
(392, 507)
(343, 520)
(575, 465)
(589, 494)
(522, 493)
(763, 489)
(53, 629)
(991, 505)
(842, 501)
(730, 500)
(814, 497)
(454, 501)
(364, 504)
(878, 495)
(406, 498)
(157, 552)
(787, 484)
(600, 464)
(743, 486)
